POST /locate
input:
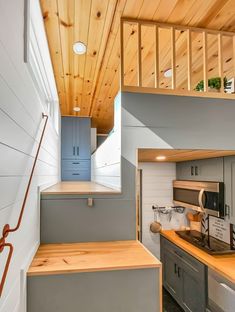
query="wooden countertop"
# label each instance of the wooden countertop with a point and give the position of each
(91, 257)
(222, 264)
(79, 188)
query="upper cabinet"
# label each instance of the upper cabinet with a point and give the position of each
(75, 149)
(229, 182)
(75, 138)
(201, 170)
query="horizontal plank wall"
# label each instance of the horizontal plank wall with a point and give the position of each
(106, 160)
(20, 129)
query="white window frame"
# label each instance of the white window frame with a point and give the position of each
(37, 57)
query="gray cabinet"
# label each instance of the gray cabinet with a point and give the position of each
(75, 148)
(202, 170)
(229, 182)
(184, 277)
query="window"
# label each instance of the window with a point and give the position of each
(38, 60)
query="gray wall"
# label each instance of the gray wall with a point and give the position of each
(109, 291)
(167, 121)
(151, 121)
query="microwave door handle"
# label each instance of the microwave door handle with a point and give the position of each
(200, 196)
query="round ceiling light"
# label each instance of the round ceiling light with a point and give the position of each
(79, 47)
(160, 157)
(168, 73)
(77, 109)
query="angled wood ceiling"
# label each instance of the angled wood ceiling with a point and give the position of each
(91, 81)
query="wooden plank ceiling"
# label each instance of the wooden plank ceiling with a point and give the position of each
(91, 81)
(176, 155)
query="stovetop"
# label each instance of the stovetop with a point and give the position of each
(207, 243)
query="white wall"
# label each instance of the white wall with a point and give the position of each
(157, 190)
(106, 161)
(20, 128)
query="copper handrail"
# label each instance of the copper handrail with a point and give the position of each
(6, 228)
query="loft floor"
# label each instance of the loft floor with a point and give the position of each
(78, 188)
(91, 257)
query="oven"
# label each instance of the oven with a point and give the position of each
(202, 196)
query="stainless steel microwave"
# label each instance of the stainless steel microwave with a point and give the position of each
(202, 196)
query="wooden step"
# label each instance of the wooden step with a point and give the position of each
(91, 257)
(79, 188)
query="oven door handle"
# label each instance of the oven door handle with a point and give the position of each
(200, 196)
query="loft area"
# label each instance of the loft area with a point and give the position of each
(173, 59)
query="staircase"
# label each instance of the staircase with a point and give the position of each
(89, 259)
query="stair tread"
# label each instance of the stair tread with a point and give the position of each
(79, 188)
(91, 257)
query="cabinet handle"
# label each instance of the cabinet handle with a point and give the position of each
(77, 150)
(76, 174)
(179, 272)
(74, 150)
(192, 170)
(227, 210)
(175, 268)
(196, 170)
(76, 163)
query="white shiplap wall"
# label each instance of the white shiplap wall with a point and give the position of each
(157, 190)
(106, 160)
(20, 129)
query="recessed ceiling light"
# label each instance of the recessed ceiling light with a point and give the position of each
(168, 73)
(79, 47)
(160, 157)
(77, 109)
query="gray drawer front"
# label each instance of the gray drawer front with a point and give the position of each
(75, 164)
(76, 175)
(184, 257)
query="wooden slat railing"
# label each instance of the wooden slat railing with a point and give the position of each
(139, 84)
(7, 229)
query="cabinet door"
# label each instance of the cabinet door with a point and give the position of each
(83, 146)
(68, 150)
(229, 182)
(201, 170)
(194, 290)
(209, 169)
(185, 170)
(171, 281)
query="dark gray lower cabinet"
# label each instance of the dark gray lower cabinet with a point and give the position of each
(184, 277)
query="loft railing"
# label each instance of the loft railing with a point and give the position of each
(7, 229)
(174, 59)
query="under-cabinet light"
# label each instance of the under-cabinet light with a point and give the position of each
(160, 157)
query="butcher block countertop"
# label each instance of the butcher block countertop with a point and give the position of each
(91, 257)
(79, 188)
(222, 264)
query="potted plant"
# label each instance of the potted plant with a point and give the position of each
(214, 84)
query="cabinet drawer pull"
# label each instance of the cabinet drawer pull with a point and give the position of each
(192, 170)
(74, 150)
(227, 210)
(77, 150)
(178, 272)
(76, 174)
(196, 170)
(76, 163)
(175, 268)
